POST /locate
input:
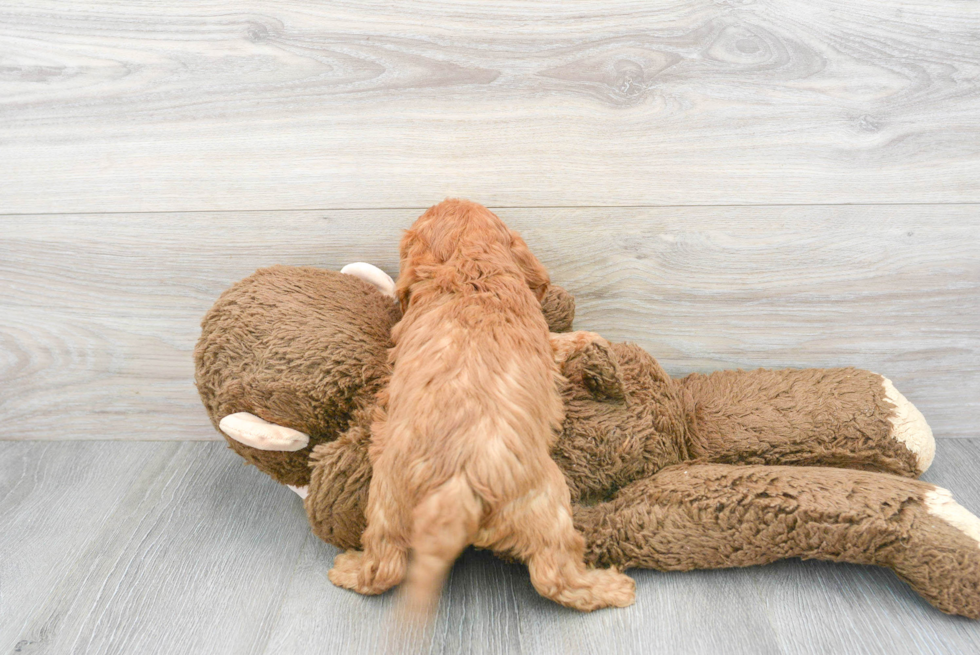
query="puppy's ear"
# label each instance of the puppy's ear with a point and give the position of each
(534, 271)
(411, 249)
(417, 261)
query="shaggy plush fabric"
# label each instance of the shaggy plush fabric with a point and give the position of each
(809, 417)
(715, 516)
(272, 346)
(665, 473)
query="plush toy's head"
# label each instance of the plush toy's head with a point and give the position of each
(304, 348)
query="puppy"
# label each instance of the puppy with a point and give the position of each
(461, 455)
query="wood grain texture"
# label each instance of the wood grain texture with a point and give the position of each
(55, 503)
(136, 105)
(99, 314)
(874, 611)
(193, 553)
(151, 548)
(491, 607)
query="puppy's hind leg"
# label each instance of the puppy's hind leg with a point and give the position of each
(384, 559)
(444, 523)
(545, 537)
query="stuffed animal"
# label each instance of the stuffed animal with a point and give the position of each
(734, 468)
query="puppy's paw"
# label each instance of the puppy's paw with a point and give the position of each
(584, 589)
(352, 570)
(347, 570)
(612, 588)
(565, 344)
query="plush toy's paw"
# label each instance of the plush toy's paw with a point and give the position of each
(558, 307)
(940, 503)
(909, 426)
(371, 275)
(252, 431)
(940, 555)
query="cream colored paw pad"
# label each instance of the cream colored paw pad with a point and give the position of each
(252, 431)
(302, 492)
(909, 426)
(940, 503)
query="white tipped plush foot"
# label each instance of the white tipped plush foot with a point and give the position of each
(252, 431)
(909, 426)
(371, 275)
(940, 503)
(300, 491)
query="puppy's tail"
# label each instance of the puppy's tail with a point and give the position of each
(443, 524)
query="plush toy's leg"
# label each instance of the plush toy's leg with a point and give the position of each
(715, 516)
(842, 417)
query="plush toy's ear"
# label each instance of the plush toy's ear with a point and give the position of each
(372, 275)
(558, 307)
(598, 368)
(534, 271)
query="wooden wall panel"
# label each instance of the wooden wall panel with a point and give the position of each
(138, 105)
(99, 313)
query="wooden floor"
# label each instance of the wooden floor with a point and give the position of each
(177, 548)
(728, 183)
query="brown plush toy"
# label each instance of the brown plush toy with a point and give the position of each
(735, 468)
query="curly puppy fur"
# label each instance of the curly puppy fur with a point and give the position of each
(461, 454)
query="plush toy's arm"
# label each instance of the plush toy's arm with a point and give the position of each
(716, 516)
(842, 417)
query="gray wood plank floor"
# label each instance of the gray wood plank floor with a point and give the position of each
(138, 105)
(113, 547)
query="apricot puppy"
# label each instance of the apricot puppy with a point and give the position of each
(461, 454)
